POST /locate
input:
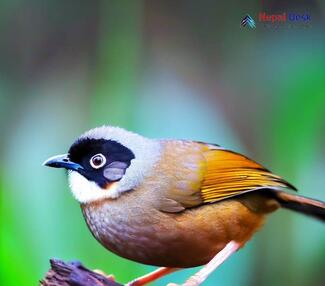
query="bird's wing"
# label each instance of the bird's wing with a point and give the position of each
(206, 173)
(230, 174)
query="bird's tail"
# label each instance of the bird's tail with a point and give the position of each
(301, 204)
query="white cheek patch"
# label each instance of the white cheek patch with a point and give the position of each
(86, 191)
(115, 171)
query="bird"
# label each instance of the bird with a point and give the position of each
(173, 204)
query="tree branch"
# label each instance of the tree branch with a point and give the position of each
(74, 274)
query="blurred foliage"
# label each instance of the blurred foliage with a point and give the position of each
(181, 69)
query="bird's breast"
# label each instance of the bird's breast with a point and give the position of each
(190, 238)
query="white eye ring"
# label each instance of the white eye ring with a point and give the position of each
(97, 161)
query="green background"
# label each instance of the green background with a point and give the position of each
(176, 69)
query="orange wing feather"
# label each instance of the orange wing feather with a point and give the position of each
(228, 174)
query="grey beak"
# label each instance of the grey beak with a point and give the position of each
(62, 161)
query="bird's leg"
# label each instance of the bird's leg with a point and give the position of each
(203, 274)
(152, 276)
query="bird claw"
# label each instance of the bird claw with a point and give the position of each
(101, 272)
(185, 284)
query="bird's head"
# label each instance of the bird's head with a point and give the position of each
(105, 162)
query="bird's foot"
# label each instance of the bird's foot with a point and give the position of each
(107, 276)
(148, 278)
(189, 282)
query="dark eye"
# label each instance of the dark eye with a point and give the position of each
(97, 161)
